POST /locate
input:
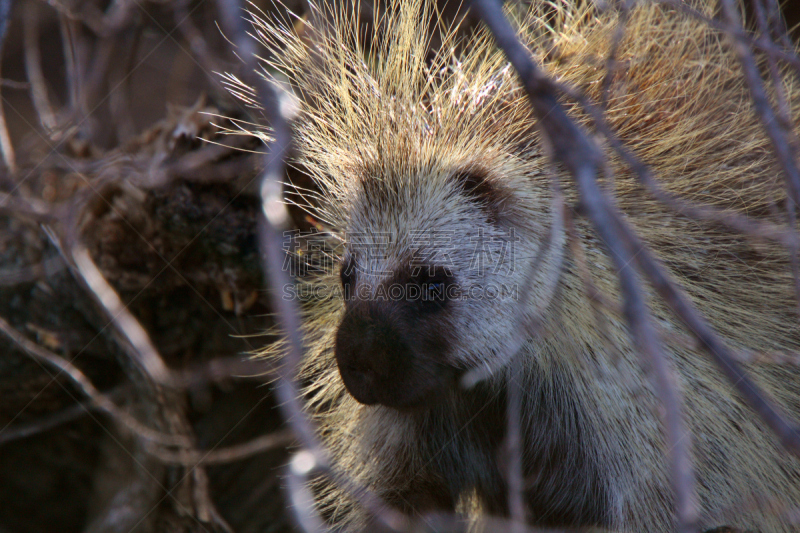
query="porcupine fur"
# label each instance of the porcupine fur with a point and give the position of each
(407, 146)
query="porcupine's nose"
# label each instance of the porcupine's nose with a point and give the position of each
(372, 358)
(360, 381)
(355, 366)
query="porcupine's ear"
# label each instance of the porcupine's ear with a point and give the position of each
(496, 200)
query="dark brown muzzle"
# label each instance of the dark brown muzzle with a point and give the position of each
(382, 361)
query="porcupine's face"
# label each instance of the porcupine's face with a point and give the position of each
(432, 276)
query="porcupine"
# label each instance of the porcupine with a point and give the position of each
(437, 193)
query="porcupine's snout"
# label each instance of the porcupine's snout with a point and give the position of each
(384, 360)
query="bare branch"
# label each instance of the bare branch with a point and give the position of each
(74, 78)
(117, 15)
(221, 369)
(119, 99)
(33, 68)
(192, 458)
(12, 84)
(757, 229)
(6, 147)
(102, 402)
(274, 221)
(775, 128)
(785, 116)
(300, 469)
(611, 60)
(37, 210)
(513, 444)
(527, 324)
(787, 432)
(48, 422)
(737, 31)
(183, 21)
(142, 349)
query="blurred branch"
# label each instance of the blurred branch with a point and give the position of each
(68, 27)
(785, 116)
(616, 40)
(11, 84)
(787, 431)
(582, 159)
(527, 323)
(48, 422)
(101, 401)
(6, 147)
(212, 65)
(119, 99)
(141, 349)
(738, 32)
(29, 273)
(15, 204)
(756, 229)
(776, 129)
(238, 452)
(117, 15)
(33, 68)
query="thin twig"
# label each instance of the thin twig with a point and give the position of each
(514, 448)
(6, 147)
(193, 458)
(233, 23)
(16, 205)
(12, 84)
(527, 324)
(120, 98)
(774, 128)
(33, 68)
(104, 52)
(301, 468)
(142, 350)
(117, 15)
(757, 229)
(787, 432)
(785, 116)
(48, 422)
(770, 358)
(598, 300)
(611, 61)
(222, 369)
(70, 62)
(785, 54)
(780, 30)
(102, 402)
(211, 64)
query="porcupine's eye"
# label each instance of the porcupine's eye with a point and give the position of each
(347, 275)
(477, 186)
(434, 286)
